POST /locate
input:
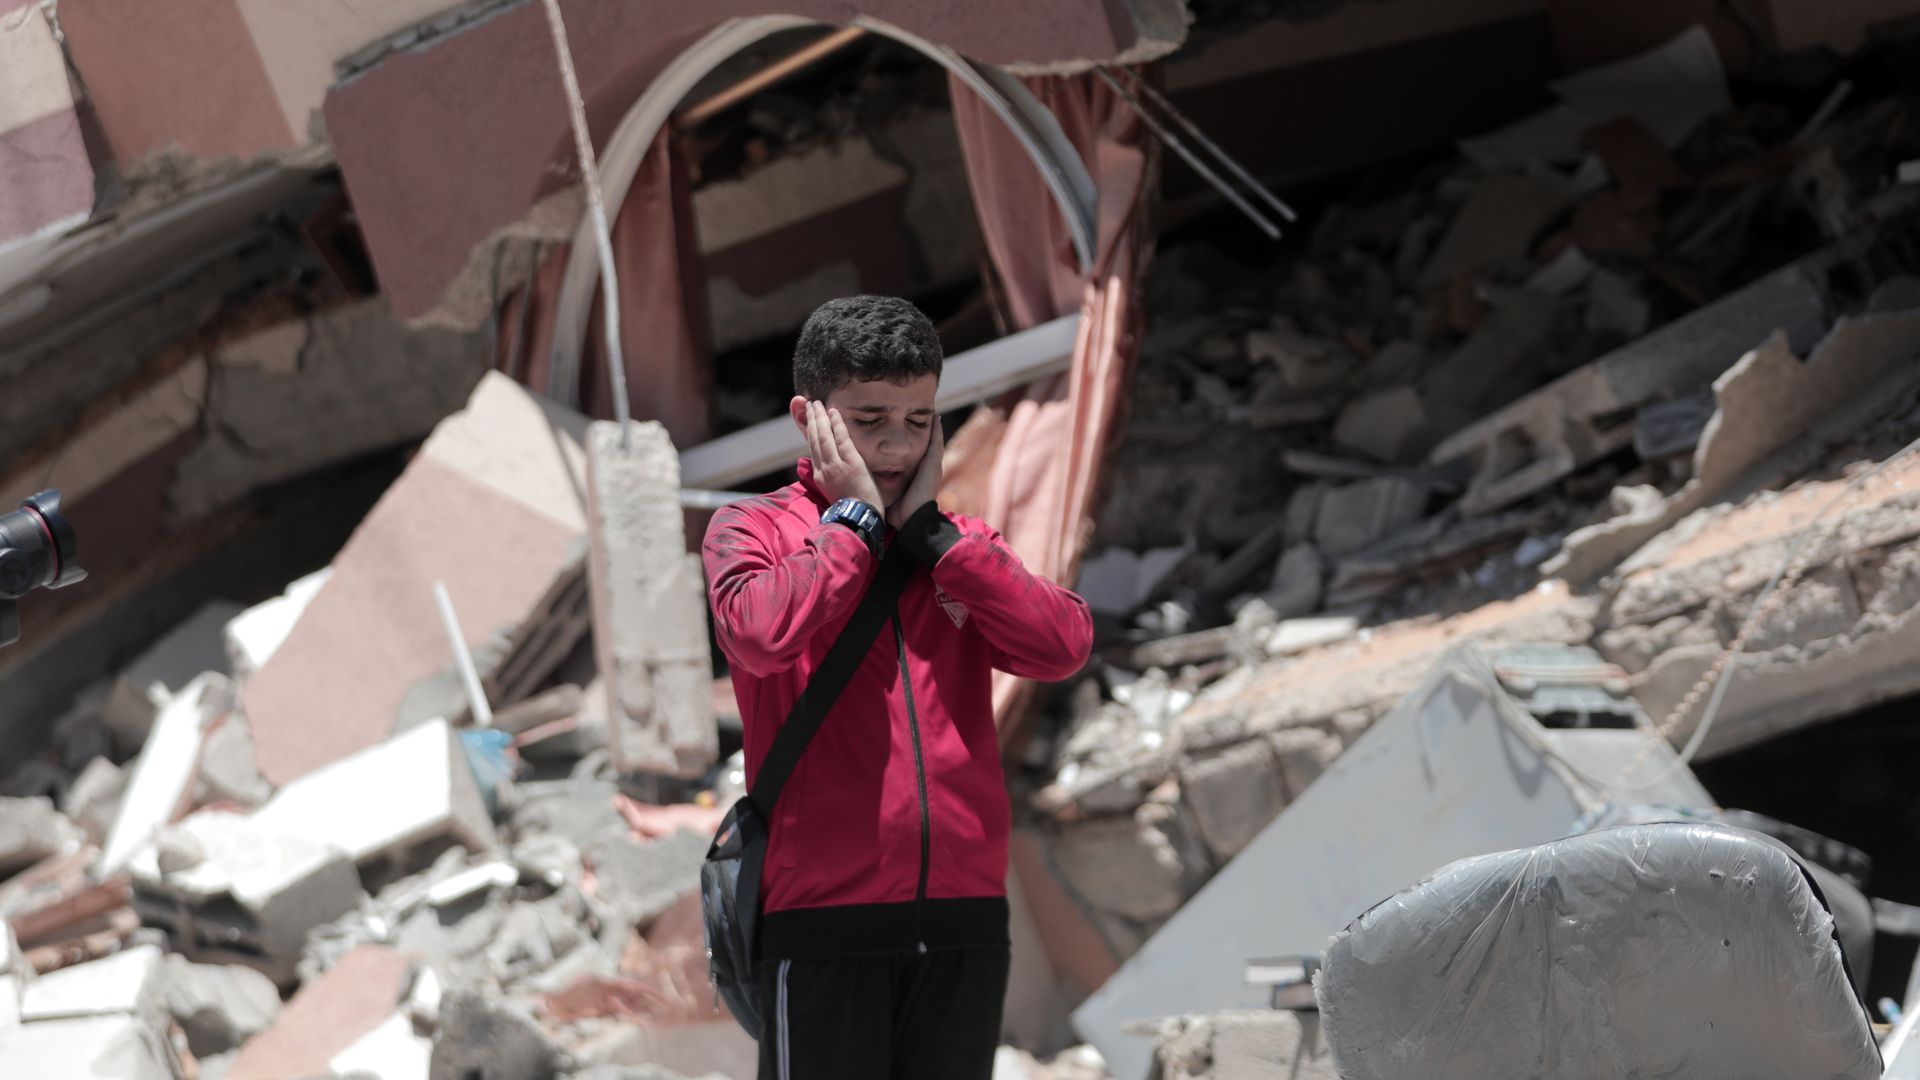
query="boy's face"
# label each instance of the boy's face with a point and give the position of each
(890, 424)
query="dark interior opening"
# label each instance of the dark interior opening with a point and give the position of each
(1856, 780)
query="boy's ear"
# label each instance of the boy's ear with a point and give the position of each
(797, 408)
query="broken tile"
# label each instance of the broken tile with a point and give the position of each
(508, 467)
(649, 606)
(164, 773)
(428, 793)
(1355, 515)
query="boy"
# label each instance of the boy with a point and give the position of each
(884, 946)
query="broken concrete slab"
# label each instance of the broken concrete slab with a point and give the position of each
(1116, 581)
(649, 606)
(328, 1015)
(1233, 794)
(1501, 360)
(129, 983)
(32, 830)
(144, 687)
(391, 1051)
(1139, 867)
(362, 381)
(509, 468)
(1497, 225)
(641, 880)
(1299, 581)
(1355, 515)
(1462, 778)
(1385, 425)
(1299, 635)
(1575, 420)
(164, 774)
(119, 1047)
(234, 890)
(227, 770)
(1252, 1044)
(218, 1006)
(428, 794)
(253, 635)
(93, 798)
(1765, 401)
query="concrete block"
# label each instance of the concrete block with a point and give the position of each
(119, 1047)
(1384, 425)
(253, 635)
(144, 687)
(1274, 1044)
(235, 880)
(1134, 866)
(93, 798)
(1355, 515)
(641, 880)
(427, 792)
(219, 1006)
(227, 768)
(1299, 582)
(164, 774)
(32, 830)
(649, 605)
(493, 505)
(1233, 795)
(126, 983)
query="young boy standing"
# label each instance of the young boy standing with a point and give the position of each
(884, 946)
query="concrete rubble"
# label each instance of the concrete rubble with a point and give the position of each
(1575, 393)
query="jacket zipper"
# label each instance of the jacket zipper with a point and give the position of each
(920, 769)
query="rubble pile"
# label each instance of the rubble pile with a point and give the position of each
(279, 844)
(1463, 409)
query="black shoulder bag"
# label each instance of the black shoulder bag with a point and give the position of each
(730, 878)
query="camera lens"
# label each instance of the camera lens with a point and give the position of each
(36, 547)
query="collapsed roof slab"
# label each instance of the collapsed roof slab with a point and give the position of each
(446, 143)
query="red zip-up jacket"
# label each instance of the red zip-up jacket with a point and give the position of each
(892, 832)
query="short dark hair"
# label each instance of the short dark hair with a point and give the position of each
(863, 339)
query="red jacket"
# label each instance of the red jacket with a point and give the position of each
(892, 831)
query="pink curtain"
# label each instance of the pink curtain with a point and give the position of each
(1030, 464)
(663, 316)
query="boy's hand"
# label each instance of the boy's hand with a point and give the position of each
(925, 486)
(837, 466)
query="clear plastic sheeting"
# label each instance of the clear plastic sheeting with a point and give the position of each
(1671, 950)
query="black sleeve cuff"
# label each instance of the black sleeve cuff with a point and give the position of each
(928, 534)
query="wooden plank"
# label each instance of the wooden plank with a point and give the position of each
(968, 379)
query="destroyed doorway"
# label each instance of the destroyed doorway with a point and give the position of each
(1852, 780)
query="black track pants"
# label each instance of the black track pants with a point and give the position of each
(897, 1016)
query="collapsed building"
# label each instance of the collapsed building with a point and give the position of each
(1589, 356)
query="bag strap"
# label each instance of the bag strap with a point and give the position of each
(831, 677)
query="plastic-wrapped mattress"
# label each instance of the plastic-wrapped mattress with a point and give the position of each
(1674, 950)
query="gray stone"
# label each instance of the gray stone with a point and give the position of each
(1385, 425)
(482, 1039)
(32, 830)
(1134, 867)
(649, 606)
(641, 880)
(1299, 582)
(1355, 515)
(1233, 795)
(1267, 1044)
(219, 1006)
(93, 798)
(227, 769)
